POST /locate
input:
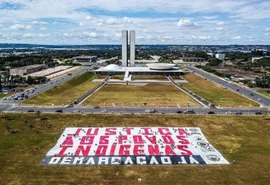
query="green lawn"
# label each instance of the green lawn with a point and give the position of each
(263, 92)
(242, 139)
(148, 77)
(2, 95)
(131, 95)
(216, 94)
(66, 93)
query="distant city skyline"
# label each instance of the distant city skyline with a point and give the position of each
(155, 21)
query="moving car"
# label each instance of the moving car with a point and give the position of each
(150, 111)
(238, 113)
(189, 112)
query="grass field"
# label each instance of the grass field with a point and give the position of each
(66, 93)
(152, 94)
(215, 94)
(244, 140)
(148, 77)
(2, 95)
(265, 93)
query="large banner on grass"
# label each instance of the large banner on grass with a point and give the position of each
(133, 145)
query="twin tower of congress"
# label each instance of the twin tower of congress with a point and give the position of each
(128, 39)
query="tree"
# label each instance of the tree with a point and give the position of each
(214, 62)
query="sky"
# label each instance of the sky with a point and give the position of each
(155, 21)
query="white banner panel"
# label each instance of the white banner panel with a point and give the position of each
(133, 145)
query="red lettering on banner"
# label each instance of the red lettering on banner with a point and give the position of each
(110, 131)
(138, 150)
(63, 150)
(124, 150)
(147, 131)
(87, 140)
(78, 131)
(137, 139)
(101, 150)
(183, 140)
(164, 131)
(113, 149)
(169, 150)
(121, 138)
(68, 141)
(182, 131)
(152, 139)
(168, 140)
(153, 150)
(104, 140)
(92, 131)
(184, 149)
(82, 150)
(128, 130)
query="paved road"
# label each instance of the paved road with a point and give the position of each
(244, 91)
(134, 110)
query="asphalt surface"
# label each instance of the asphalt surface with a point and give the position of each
(244, 91)
(135, 110)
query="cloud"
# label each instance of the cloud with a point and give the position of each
(185, 23)
(221, 28)
(39, 23)
(28, 35)
(90, 34)
(201, 37)
(220, 23)
(20, 27)
(43, 35)
(154, 20)
(237, 38)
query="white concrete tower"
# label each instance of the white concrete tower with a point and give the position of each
(124, 48)
(132, 48)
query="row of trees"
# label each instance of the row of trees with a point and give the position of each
(263, 82)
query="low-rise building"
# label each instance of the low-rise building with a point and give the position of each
(85, 60)
(22, 71)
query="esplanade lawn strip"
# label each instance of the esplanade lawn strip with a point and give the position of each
(65, 93)
(153, 95)
(217, 95)
(242, 140)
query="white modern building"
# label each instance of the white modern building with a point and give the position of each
(149, 69)
(128, 61)
(132, 69)
(132, 48)
(124, 48)
(220, 56)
